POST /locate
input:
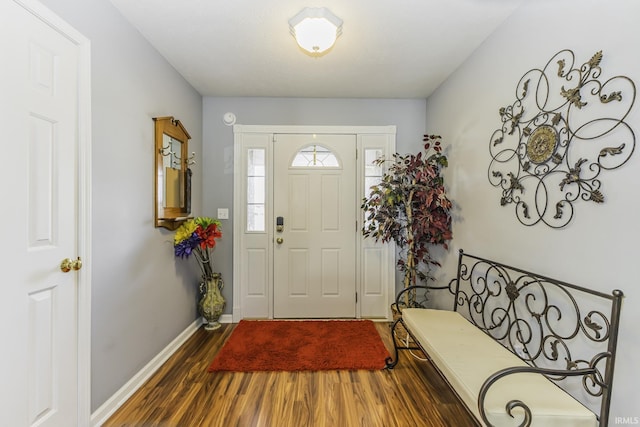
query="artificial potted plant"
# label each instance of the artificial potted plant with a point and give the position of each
(410, 207)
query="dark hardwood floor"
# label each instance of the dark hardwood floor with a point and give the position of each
(182, 393)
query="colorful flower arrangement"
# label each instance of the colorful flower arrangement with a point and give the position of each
(198, 236)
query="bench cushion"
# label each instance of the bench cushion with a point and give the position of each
(466, 356)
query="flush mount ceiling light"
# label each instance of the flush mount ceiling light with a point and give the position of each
(315, 29)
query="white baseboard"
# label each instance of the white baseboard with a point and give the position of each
(108, 408)
(226, 318)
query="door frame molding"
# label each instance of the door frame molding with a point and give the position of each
(84, 199)
(263, 137)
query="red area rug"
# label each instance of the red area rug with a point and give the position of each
(291, 345)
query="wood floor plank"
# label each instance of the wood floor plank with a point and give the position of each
(183, 394)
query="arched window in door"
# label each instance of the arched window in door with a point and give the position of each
(315, 156)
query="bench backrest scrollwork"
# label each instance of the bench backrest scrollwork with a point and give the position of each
(547, 322)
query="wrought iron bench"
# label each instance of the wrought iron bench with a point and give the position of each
(519, 348)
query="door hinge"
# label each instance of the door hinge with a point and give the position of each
(356, 297)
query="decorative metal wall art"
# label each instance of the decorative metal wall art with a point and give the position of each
(564, 129)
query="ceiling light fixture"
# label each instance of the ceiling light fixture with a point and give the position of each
(315, 29)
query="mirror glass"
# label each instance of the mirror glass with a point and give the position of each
(173, 194)
(172, 173)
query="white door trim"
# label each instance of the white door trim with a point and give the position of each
(84, 199)
(259, 289)
(309, 129)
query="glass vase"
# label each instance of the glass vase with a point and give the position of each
(212, 303)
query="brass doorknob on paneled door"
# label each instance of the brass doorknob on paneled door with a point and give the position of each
(68, 264)
(279, 240)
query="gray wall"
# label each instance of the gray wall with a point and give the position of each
(599, 248)
(408, 115)
(142, 297)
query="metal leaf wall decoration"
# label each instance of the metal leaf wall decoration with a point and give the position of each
(564, 129)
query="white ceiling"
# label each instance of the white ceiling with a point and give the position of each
(388, 48)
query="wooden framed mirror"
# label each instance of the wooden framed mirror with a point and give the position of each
(172, 174)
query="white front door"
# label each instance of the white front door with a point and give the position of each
(40, 147)
(315, 206)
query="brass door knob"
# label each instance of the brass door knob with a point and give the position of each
(68, 264)
(65, 265)
(279, 240)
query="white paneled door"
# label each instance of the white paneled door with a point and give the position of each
(315, 226)
(39, 302)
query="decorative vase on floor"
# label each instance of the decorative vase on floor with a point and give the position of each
(212, 302)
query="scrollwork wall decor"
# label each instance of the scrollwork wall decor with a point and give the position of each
(564, 129)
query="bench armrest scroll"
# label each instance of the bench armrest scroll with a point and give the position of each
(399, 304)
(590, 372)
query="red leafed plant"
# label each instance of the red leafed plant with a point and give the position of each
(410, 207)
